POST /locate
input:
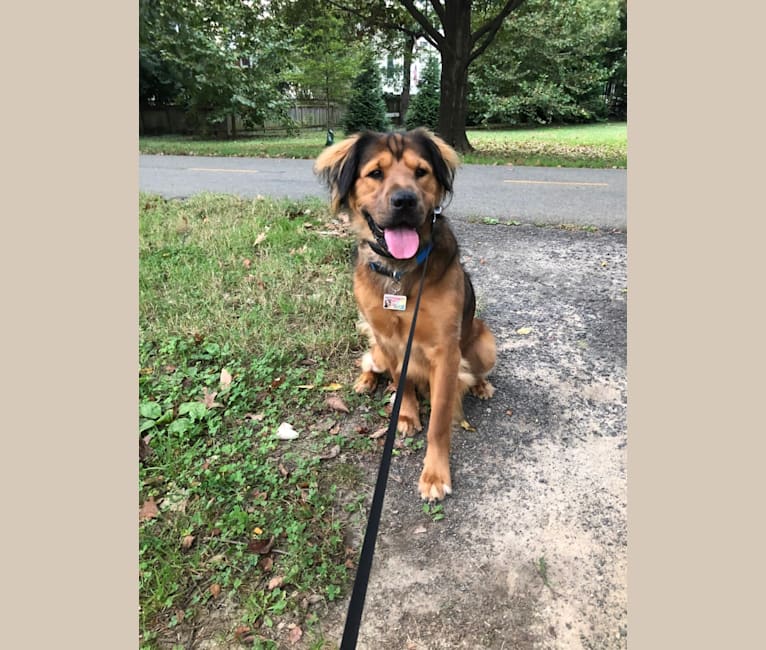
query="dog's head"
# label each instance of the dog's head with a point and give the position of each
(390, 183)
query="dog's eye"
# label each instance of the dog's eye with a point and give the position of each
(376, 174)
(420, 172)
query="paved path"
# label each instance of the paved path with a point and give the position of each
(526, 194)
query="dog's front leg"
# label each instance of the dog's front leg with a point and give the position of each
(435, 481)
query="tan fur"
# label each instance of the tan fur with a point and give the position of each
(453, 351)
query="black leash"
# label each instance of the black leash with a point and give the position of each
(356, 605)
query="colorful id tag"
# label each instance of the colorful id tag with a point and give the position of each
(392, 301)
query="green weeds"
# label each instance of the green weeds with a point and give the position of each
(245, 313)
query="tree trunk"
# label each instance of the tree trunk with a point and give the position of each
(404, 102)
(455, 54)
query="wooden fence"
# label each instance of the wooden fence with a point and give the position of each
(174, 120)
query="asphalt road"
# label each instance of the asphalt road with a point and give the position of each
(545, 195)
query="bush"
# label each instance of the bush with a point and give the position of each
(424, 107)
(367, 108)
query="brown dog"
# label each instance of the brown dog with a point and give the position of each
(393, 184)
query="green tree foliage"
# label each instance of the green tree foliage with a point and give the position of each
(551, 63)
(214, 59)
(325, 63)
(366, 107)
(617, 62)
(424, 107)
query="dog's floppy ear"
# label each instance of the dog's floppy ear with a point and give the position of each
(442, 157)
(338, 166)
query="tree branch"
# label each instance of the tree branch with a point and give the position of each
(439, 9)
(436, 39)
(369, 19)
(486, 33)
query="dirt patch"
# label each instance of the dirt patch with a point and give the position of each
(533, 550)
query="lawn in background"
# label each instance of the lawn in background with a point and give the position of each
(586, 145)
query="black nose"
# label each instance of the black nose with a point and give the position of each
(403, 200)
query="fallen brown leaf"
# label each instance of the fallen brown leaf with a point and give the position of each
(337, 404)
(378, 433)
(258, 417)
(266, 563)
(208, 399)
(243, 634)
(246, 263)
(275, 582)
(295, 635)
(148, 511)
(187, 542)
(334, 451)
(215, 589)
(260, 546)
(225, 378)
(259, 239)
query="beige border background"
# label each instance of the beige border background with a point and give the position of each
(69, 261)
(695, 246)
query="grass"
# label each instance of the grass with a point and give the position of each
(587, 145)
(246, 314)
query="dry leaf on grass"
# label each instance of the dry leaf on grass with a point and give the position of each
(215, 590)
(334, 386)
(334, 451)
(187, 542)
(378, 433)
(337, 404)
(261, 546)
(246, 263)
(208, 399)
(286, 432)
(243, 634)
(225, 378)
(259, 239)
(275, 582)
(148, 511)
(295, 635)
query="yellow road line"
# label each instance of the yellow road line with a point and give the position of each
(558, 183)
(233, 171)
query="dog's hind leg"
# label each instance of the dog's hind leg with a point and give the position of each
(373, 364)
(481, 355)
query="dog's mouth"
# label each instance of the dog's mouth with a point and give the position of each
(402, 242)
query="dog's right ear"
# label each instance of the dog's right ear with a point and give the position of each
(338, 166)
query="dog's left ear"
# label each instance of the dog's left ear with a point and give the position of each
(443, 158)
(338, 166)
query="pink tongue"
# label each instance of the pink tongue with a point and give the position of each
(402, 242)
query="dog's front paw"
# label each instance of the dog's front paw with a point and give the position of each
(435, 482)
(482, 389)
(366, 382)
